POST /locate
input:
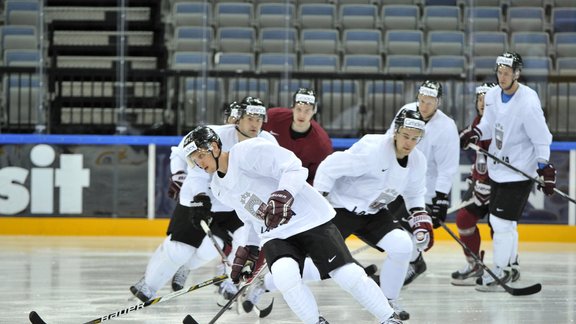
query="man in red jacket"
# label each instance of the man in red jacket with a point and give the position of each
(296, 131)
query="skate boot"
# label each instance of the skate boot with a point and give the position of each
(487, 284)
(226, 291)
(256, 290)
(416, 268)
(321, 320)
(515, 271)
(393, 319)
(179, 279)
(468, 274)
(398, 309)
(142, 291)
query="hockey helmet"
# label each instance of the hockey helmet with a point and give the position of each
(482, 89)
(201, 138)
(408, 118)
(431, 88)
(510, 59)
(231, 111)
(251, 106)
(305, 96)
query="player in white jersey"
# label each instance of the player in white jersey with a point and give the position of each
(361, 181)
(442, 151)
(285, 217)
(186, 246)
(514, 121)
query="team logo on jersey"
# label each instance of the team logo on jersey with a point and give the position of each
(499, 130)
(252, 204)
(384, 198)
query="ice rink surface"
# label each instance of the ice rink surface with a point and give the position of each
(78, 279)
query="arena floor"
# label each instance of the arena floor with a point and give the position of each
(69, 279)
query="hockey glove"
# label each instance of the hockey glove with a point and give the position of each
(481, 193)
(469, 136)
(439, 208)
(279, 209)
(244, 262)
(547, 173)
(421, 225)
(200, 210)
(176, 181)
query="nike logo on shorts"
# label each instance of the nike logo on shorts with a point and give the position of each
(331, 259)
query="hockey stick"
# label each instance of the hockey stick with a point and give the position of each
(36, 319)
(208, 232)
(261, 271)
(530, 290)
(510, 166)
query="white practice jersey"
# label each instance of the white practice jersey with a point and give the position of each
(518, 131)
(197, 180)
(256, 168)
(441, 146)
(367, 176)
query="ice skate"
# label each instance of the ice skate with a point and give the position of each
(415, 269)
(179, 279)
(487, 284)
(142, 291)
(394, 319)
(398, 309)
(468, 274)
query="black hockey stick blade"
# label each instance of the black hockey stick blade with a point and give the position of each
(530, 290)
(35, 318)
(248, 306)
(189, 320)
(266, 311)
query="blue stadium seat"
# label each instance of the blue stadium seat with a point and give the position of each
(319, 41)
(358, 16)
(440, 2)
(530, 43)
(193, 38)
(561, 115)
(17, 37)
(192, 14)
(526, 19)
(446, 43)
(235, 61)
(488, 43)
(441, 18)
(536, 66)
(565, 44)
(360, 63)
(383, 99)
(275, 15)
(234, 14)
(317, 15)
(409, 42)
(201, 102)
(483, 65)
(17, 57)
(340, 111)
(483, 18)
(319, 63)
(566, 66)
(183, 60)
(242, 87)
(277, 62)
(21, 98)
(236, 39)
(447, 64)
(527, 3)
(563, 19)
(404, 64)
(400, 17)
(362, 41)
(278, 40)
(21, 12)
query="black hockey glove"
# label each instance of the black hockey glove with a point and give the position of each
(547, 174)
(279, 209)
(244, 262)
(469, 136)
(439, 208)
(200, 210)
(176, 181)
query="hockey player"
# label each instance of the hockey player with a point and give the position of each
(479, 190)
(361, 181)
(186, 244)
(297, 131)
(441, 148)
(514, 121)
(285, 217)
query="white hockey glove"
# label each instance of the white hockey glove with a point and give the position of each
(481, 193)
(421, 225)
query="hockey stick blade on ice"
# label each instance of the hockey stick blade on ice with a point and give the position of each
(530, 290)
(36, 319)
(510, 166)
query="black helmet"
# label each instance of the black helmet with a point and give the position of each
(251, 106)
(305, 96)
(482, 89)
(431, 88)
(510, 59)
(231, 110)
(408, 118)
(201, 137)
